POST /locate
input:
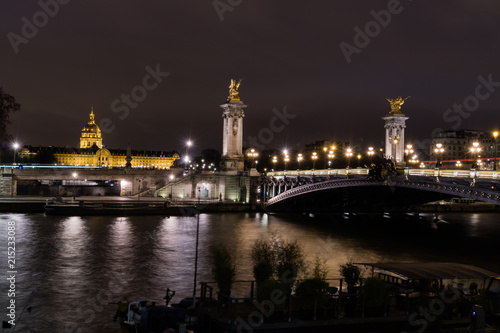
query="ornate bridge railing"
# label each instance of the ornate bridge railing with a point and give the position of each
(479, 174)
(479, 194)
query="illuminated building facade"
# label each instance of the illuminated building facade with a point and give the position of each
(93, 153)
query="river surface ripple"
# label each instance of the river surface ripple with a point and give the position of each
(70, 268)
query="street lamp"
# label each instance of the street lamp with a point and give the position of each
(74, 185)
(395, 141)
(458, 164)
(253, 154)
(330, 157)
(171, 187)
(287, 159)
(475, 150)
(189, 143)
(495, 135)
(438, 150)
(325, 149)
(409, 150)
(275, 160)
(299, 159)
(314, 158)
(370, 153)
(359, 159)
(414, 160)
(348, 154)
(15, 145)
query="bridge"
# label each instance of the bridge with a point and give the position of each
(356, 190)
(128, 181)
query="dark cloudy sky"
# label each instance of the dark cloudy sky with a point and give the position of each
(288, 52)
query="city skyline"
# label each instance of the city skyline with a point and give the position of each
(330, 67)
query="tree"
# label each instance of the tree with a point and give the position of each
(224, 267)
(276, 263)
(314, 289)
(8, 104)
(351, 275)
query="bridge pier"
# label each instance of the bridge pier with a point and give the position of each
(8, 183)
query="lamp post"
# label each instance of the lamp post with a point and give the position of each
(370, 153)
(325, 149)
(299, 159)
(189, 143)
(359, 159)
(314, 158)
(171, 187)
(475, 150)
(275, 160)
(330, 157)
(286, 159)
(15, 145)
(458, 164)
(74, 185)
(394, 155)
(495, 135)
(252, 154)
(438, 150)
(139, 192)
(348, 154)
(408, 150)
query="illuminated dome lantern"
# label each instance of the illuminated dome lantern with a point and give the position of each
(91, 133)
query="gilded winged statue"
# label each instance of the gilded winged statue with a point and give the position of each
(396, 103)
(233, 91)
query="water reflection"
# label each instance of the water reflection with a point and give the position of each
(71, 268)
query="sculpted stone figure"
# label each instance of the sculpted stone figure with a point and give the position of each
(396, 103)
(233, 91)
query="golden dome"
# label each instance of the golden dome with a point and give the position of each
(91, 133)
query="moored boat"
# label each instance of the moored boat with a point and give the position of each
(83, 208)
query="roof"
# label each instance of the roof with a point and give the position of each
(434, 270)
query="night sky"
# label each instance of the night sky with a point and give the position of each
(288, 52)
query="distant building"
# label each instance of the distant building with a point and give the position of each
(457, 145)
(93, 153)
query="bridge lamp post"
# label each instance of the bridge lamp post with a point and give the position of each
(495, 136)
(15, 145)
(348, 154)
(253, 154)
(359, 160)
(171, 186)
(275, 160)
(330, 158)
(370, 153)
(287, 159)
(325, 151)
(395, 141)
(414, 159)
(314, 158)
(74, 185)
(189, 143)
(408, 150)
(475, 150)
(438, 150)
(299, 159)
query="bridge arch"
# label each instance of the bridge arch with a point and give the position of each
(369, 195)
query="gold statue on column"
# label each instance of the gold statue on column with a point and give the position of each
(233, 91)
(396, 104)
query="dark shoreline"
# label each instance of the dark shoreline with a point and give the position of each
(36, 205)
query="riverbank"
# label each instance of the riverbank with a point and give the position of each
(27, 204)
(31, 204)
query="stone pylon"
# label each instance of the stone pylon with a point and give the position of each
(232, 136)
(395, 136)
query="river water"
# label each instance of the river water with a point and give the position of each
(69, 268)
